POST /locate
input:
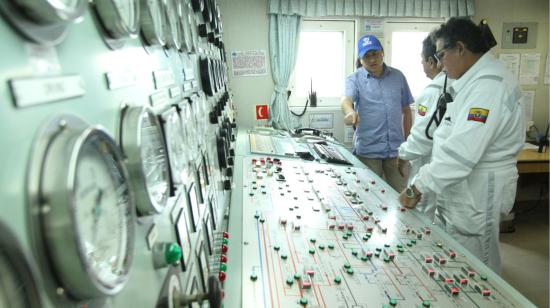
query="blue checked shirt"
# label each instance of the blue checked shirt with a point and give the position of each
(379, 102)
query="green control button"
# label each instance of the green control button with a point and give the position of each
(354, 252)
(223, 267)
(312, 251)
(289, 281)
(386, 259)
(257, 215)
(413, 241)
(364, 258)
(387, 245)
(172, 253)
(347, 265)
(225, 241)
(331, 246)
(483, 276)
(345, 236)
(284, 256)
(313, 240)
(322, 247)
(303, 301)
(409, 244)
(377, 254)
(378, 249)
(253, 277)
(393, 302)
(262, 220)
(426, 303)
(276, 247)
(399, 246)
(350, 271)
(365, 238)
(400, 249)
(349, 233)
(297, 276)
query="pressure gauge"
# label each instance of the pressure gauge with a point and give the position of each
(83, 208)
(175, 35)
(193, 27)
(187, 117)
(43, 21)
(143, 145)
(175, 143)
(153, 22)
(184, 9)
(17, 284)
(120, 18)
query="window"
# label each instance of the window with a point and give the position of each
(324, 59)
(403, 47)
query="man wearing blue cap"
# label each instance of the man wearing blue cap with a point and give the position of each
(376, 102)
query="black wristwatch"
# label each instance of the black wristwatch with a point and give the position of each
(410, 193)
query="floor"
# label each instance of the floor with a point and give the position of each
(525, 254)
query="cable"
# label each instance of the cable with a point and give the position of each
(303, 111)
(444, 99)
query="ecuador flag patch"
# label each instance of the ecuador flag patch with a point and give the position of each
(422, 110)
(478, 114)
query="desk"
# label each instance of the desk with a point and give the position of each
(531, 161)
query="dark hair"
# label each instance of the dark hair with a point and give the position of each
(464, 30)
(428, 48)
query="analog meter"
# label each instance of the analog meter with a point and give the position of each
(175, 32)
(175, 143)
(120, 18)
(17, 284)
(153, 22)
(184, 11)
(43, 21)
(143, 146)
(82, 207)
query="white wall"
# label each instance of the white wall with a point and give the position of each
(246, 27)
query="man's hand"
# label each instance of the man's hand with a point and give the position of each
(401, 166)
(408, 202)
(352, 118)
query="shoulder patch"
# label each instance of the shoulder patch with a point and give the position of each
(478, 115)
(422, 110)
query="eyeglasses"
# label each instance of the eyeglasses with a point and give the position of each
(438, 55)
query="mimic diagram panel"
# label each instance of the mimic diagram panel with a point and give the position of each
(320, 235)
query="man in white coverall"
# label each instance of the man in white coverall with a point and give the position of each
(473, 169)
(418, 148)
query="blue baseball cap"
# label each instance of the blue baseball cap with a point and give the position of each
(367, 43)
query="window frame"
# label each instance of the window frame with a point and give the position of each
(348, 27)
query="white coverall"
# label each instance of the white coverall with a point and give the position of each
(473, 169)
(418, 148)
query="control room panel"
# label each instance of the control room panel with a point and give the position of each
(125, 182)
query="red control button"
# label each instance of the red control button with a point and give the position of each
(223, 258)
(225, 235)
(222, 276)
(224, 248)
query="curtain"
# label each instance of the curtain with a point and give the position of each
(373, 8)
(284, 31)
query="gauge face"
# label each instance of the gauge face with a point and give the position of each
(175, 35)
(144, 148)
(175, 143)
(190, 129)
(119, 18)
(155, 161)
(185, 21)
(153, 22)
(102, 212)
(193, 28)
(17, 284)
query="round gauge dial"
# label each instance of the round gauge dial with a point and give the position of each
(174, 24)
(175, 143)
(186, 113)
(153, 22)
(43, 21)
(17, 284)
(193, 28)
(147, 161)
(118, 17)
(184, 9)
(87, 209)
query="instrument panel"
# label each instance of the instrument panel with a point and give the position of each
(111, 195)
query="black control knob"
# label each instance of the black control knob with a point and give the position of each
(229, 172)
(231, 152)
(203, 31)
(211, 37)
(230, 161)
(234, 125)
(213, 116)
(227, 185)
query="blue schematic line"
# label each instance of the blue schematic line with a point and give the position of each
(261, 261)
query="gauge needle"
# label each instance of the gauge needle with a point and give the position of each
(97, 212)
